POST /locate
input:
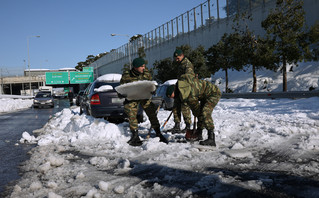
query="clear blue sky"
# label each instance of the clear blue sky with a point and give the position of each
(70, 30)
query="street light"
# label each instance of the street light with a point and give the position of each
(129, 46)
(29, 60)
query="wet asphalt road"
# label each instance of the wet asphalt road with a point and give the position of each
(12, 125)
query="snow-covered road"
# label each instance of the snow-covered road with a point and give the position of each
(265, 147)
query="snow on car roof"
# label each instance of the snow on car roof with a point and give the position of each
(113, 77)
(103, 88)
(170, 82)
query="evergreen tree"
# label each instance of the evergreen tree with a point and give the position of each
(80, 66)
(221, 55)
(252, 51)
(166, 70)
(90, 59)
(285, 27)
(311, 43)
(198, 59)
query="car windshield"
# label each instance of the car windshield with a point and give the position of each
(43, 95)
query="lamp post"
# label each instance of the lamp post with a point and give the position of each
(129, 46)
(29, 60)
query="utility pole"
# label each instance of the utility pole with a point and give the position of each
(1, 87)
(29, 62)
(129, 47)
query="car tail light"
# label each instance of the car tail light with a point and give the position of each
(95, 99)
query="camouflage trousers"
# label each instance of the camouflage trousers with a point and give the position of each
(203, 111)
(181, 108)
(131, 109)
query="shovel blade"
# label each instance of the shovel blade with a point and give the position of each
(191, 135)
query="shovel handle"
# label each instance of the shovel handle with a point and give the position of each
(167, 120)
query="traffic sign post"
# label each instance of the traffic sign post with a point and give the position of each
(52, 78)
(88, 69)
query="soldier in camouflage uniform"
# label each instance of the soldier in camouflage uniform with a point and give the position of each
(139, 72)
(184, 67)
(202, 96)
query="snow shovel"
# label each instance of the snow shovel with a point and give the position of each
(166, 120)
(191, 135)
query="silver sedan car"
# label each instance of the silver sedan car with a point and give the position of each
(43, 99)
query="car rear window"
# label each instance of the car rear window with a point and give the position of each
(113, 84)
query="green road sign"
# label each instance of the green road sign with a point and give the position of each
(52, 78)
(88, 69)
(81, 77)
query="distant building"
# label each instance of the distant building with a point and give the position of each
(41, 72)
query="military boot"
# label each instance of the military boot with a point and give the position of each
(188, 127)
(199, 134)
(177, 128)
(135, 139)
(159, 134)
(211, 139)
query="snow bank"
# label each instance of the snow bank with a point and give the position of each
(9, 105)
(260, 144)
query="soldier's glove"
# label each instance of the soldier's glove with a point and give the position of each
(121, 95)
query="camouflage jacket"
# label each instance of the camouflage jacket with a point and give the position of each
(132, 75)
(192, 89)
(185, 67)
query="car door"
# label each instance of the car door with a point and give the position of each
(85, 100)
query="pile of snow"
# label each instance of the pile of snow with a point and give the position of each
(303, 77)
(264, 148)
(137, 90)
(9, 104)
(110, 77)
(262, 145)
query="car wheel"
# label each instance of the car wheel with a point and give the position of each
(87, 111)
(81, 110)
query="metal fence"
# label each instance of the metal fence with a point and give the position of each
(12, 71)
(202, 15)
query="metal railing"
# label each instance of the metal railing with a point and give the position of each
(205, 14)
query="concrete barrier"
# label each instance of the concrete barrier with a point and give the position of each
(272, 95)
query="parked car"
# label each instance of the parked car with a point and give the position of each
(58, 92)
(160, 95)
(43, 99)
(79, 97)
(100, 99)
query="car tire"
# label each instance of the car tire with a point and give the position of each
(87, 111)
(81, 110)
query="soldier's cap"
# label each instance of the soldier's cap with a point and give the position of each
(138, 62)
(178, 52)
(170, 89)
